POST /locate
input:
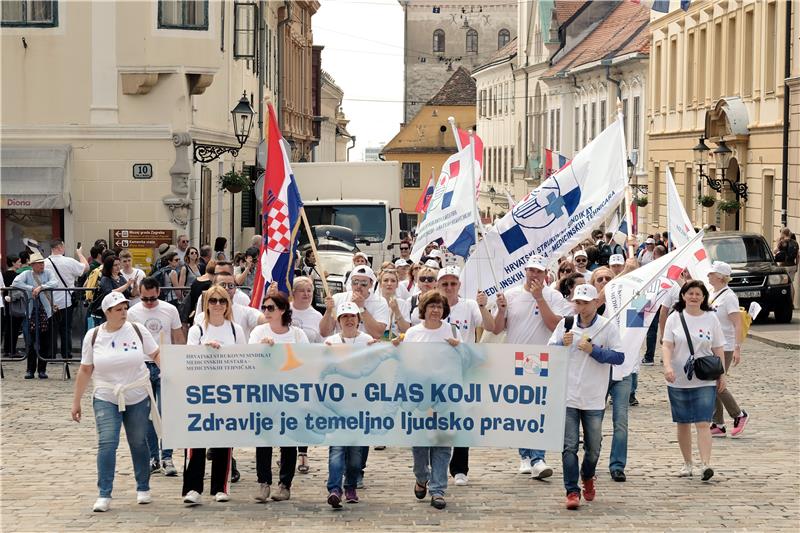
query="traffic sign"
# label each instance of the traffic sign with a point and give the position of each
(140, 238)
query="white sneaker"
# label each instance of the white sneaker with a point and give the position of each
(686, 470)
(525, 465)
(461, 480)
(222, 497)
(262, 495)
(143, 496)
(192, 498)
(101, 505)
(540, 470)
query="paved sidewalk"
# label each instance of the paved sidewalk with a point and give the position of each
(778, 335)
(48, 474)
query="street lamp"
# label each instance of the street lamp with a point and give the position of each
(492, 193)
(722, 155)
(242, 122)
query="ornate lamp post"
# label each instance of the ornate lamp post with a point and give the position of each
(242, 122)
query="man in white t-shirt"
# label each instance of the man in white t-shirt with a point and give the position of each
(374, 309)
(648, 253)
(529, 313)
(581, 260)
(163, 322)
(594, 345)
(65, 270)
(247, 317)
(467, 315)
(183, 245)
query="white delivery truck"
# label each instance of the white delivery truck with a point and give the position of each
(361, 196)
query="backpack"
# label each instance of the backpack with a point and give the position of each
(162, 276)
(92, 282)
(790, 258)
(605, 254)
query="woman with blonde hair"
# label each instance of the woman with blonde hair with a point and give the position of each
(401, 309)
(216, 330)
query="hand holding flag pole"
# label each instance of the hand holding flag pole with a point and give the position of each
(317, 258)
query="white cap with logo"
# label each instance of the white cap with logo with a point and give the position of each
(616, 259)
(347, 308)
(364, 270)
(537, 262)
(111, 299)
(400, 263)
(721, 268)
(448, 271)
(584, 292)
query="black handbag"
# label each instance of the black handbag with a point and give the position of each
(707, 368)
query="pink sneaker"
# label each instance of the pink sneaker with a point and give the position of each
(718, 431)
(739, 424)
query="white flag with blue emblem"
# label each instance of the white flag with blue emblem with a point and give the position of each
(554, 217)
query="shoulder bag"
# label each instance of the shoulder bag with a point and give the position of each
(706, 368)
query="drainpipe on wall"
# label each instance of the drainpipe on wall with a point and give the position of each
(279, 91)
(786, 117)
(353, 138)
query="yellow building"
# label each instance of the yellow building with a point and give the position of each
(717, 72)
(424, 144)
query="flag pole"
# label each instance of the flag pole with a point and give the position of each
(314, 251)
(628, 194)
(453, 128)
(651, 280)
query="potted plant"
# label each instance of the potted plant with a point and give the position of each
(641, 201)
(729, 206)
(706, 201)
(234, 182)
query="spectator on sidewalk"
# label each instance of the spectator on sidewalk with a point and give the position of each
(66, 271)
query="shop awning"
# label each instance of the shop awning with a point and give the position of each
(33, 176)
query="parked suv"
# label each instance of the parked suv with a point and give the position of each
(755, 276)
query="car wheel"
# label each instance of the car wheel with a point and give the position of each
(783, 314)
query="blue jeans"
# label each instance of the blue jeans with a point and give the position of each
(534, 455)
(343, 461)
(430, 466)
(620, 392)
(152, 438)
(109, 420)
(592, 422)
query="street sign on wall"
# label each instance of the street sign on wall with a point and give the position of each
(140, 238)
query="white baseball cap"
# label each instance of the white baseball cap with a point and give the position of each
(435, 253)
(536, 261)
(580, 253)
(363, 270)
(347, 308)
(432, 263)
(400, 263)
(111, 299)
(720, 267)
(650, 240)
(361, 254)
(616, 259)
(584, 292)
(448, 271)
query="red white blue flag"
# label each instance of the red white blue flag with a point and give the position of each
(427, 194)
(553, 162)
(280, 217)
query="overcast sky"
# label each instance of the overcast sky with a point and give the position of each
(363, 42)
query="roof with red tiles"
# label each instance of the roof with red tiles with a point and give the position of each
(625, 30)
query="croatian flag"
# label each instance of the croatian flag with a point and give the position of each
(519, 360)
(280, 218)
(425, 199)
(553, 162)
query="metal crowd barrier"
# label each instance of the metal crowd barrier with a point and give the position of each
(13, 324)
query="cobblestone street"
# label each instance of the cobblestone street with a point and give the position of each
(48, 473)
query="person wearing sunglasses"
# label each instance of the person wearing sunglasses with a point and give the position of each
(581, 261)
(278, 329)
(405, 251)
(162, 321)
(190, 269)
(373, 307)
(565, 268)
(215, 330)
(468, 316)
(243, 315)
(529, 312)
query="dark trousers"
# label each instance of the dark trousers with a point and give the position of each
(12, 327)
(288, 464)
(62, 329)
(194, 470)
(652, 336)
(36, 363)
(459, 463)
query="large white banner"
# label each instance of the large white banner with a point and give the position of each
(450, 218)
(553, 218)
(681, 230)
(412, 395)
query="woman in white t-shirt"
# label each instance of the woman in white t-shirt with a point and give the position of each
(400, 308)
(304, 316)
(216, 330)
(431, 462)
(114, 355)
(725, 304)
(348, 318)
(691, 398)
(277, 330)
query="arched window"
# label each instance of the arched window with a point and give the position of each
(503, 36)
(472, 40)
(438, 41)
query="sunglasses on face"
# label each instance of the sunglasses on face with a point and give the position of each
(404, 247)
(360, 283)
(427, 279)
(604, 278)
(449, 284)
(565, 271)
(217, 301)
(580, 260)
(149, 299)
(268, 308)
